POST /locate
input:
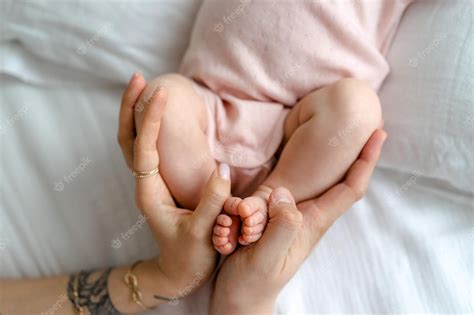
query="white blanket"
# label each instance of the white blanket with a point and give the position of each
(67, 197)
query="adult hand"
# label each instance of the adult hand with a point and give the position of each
(187, 257)
(251, 278)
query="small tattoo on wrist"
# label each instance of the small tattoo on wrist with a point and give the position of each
(92, 294)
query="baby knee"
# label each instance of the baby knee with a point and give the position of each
(169, 81)
(172, 82)
(355, 102)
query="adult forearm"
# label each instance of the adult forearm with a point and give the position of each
(33, 296)
(50, 296)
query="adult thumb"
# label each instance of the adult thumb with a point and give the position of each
(212, 201)
(285, 221)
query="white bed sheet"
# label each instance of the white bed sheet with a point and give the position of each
(405, 248)
(410, 252)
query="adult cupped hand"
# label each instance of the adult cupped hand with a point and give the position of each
(187, 258)
(251, 278)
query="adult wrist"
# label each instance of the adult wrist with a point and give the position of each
(229, 302)
(150, 282)
(243, 307)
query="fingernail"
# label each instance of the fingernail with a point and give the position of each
(282, 196)
(135, 75)
(224, 171)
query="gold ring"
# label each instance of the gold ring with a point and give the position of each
(145, 174)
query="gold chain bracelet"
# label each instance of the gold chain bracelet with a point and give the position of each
(131, 281)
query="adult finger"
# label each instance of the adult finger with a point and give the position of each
(320, 213)
(126, 128)
(285, 221)
(149, 190)
(212, 202)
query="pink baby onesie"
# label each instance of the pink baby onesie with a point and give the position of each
(253, 60)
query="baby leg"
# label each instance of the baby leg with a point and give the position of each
(324, 134)
(185, 158)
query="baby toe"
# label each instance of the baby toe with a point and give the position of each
(255, 219)
(221, 231)
(251, 238)
(248, 206)
(231, 204)
(225, 234)
(219, 240)
(242, 241)
(226, 249)
(249, 230)
(224, 220)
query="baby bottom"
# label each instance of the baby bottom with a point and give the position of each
(322, 136)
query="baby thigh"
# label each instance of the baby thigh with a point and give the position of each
(324, 134)
(186, 162)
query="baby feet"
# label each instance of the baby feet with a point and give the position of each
(243, 222)
(226, 233)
